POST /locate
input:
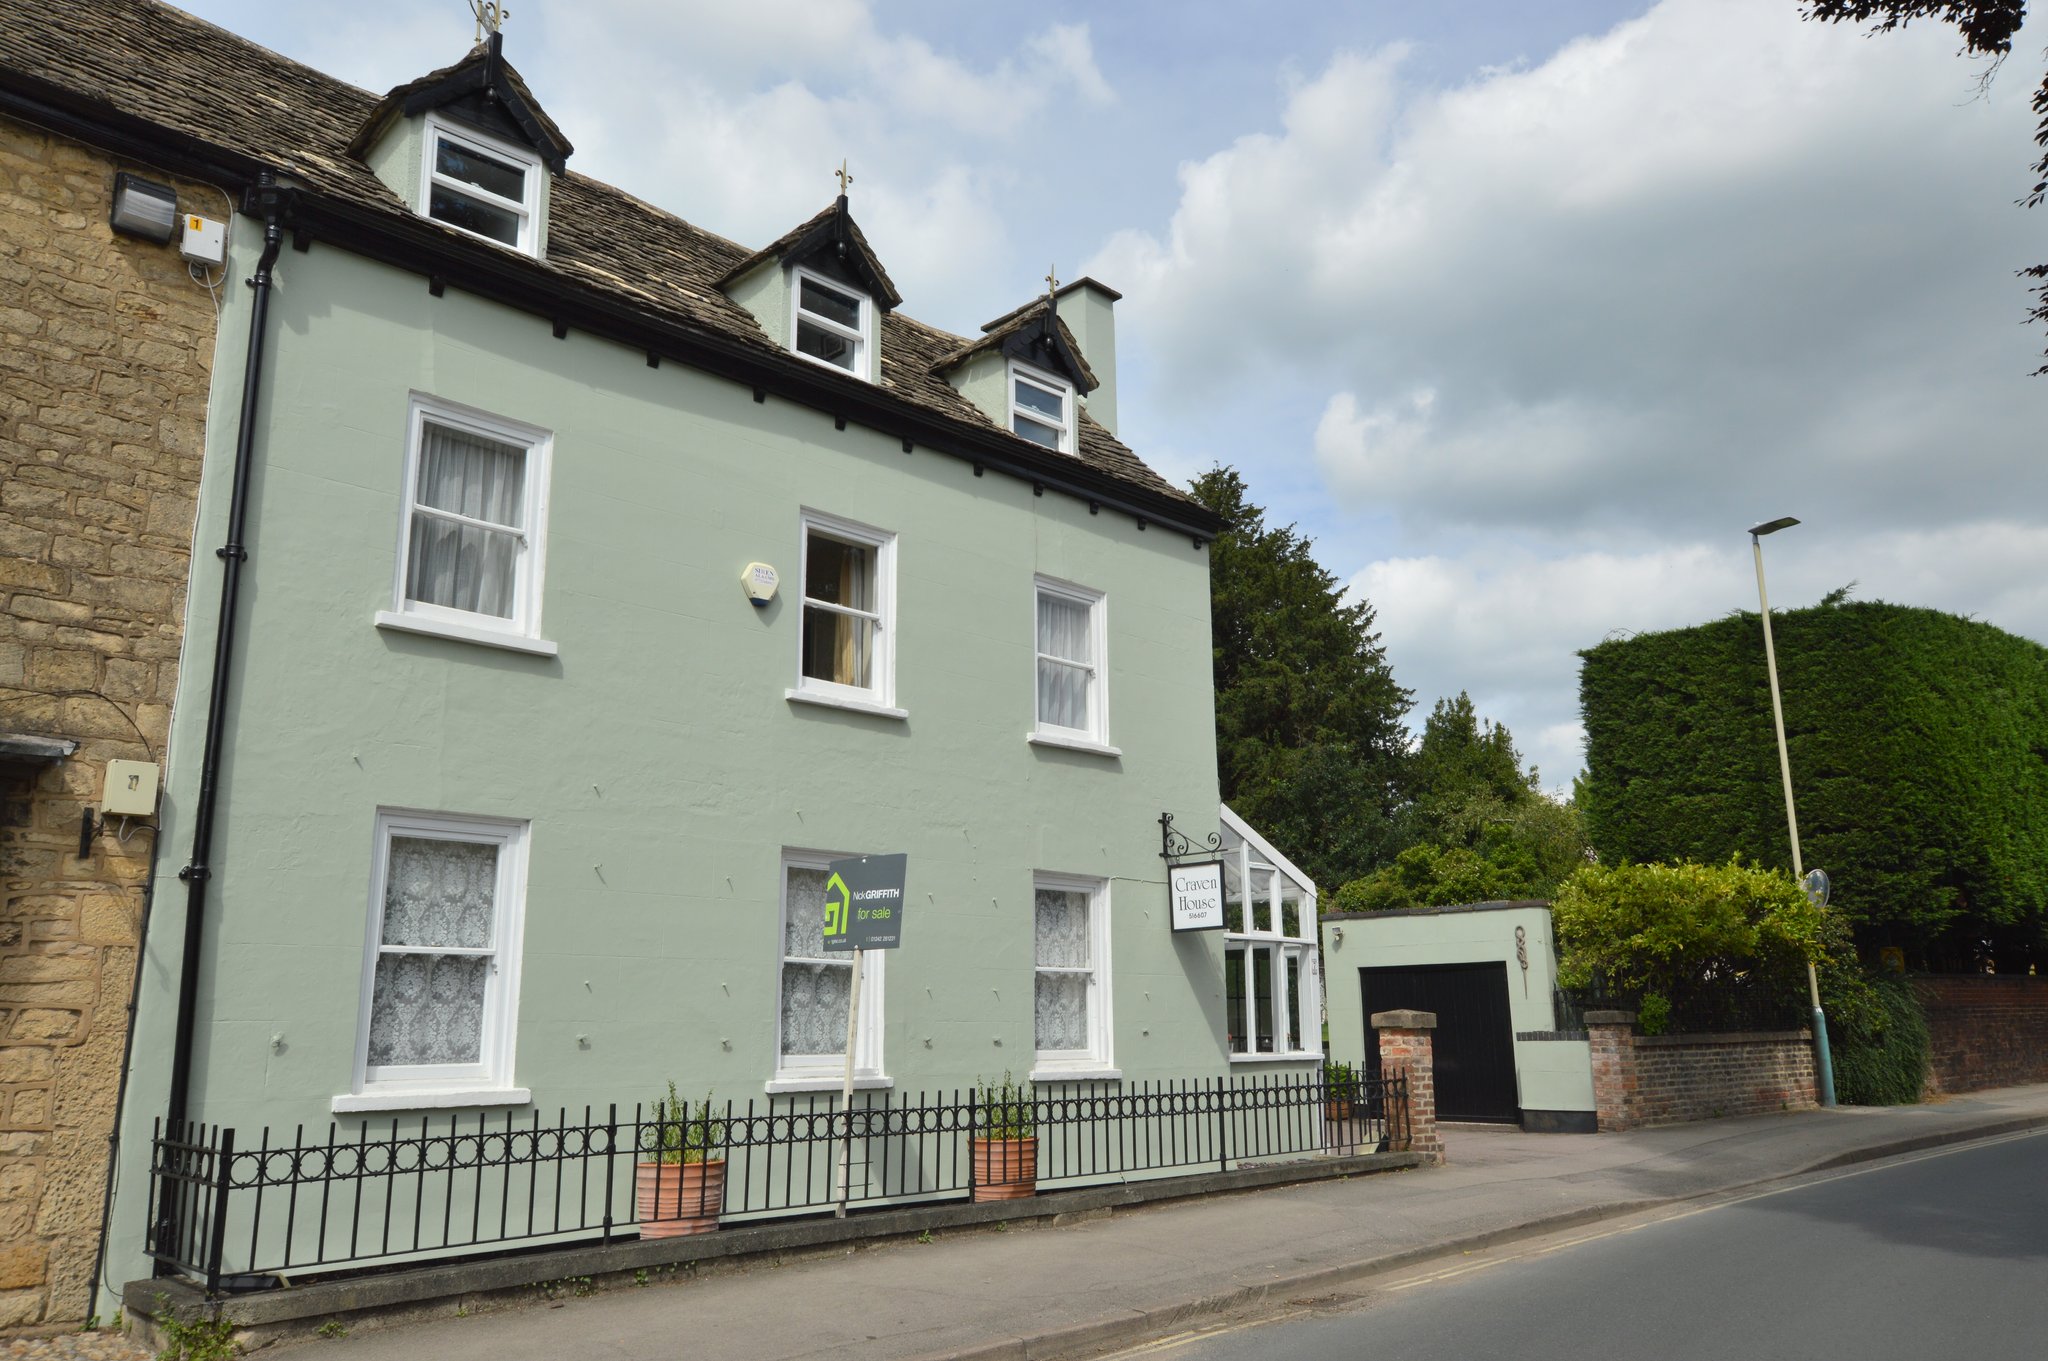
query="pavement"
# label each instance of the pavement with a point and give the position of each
(1062, 1289)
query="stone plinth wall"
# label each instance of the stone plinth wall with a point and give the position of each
(106, 349)
(1984, 1031)
(1642, 1080)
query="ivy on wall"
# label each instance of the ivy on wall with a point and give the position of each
(1919, 747)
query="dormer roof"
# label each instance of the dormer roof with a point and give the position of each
(1035, 335)
(835, 237)
(483, 88)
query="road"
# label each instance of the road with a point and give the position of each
(1928, 1256)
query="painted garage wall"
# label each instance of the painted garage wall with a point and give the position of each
(661, 764)
(1551, 1075)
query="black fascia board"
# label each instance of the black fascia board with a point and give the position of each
(834, 235)
(1021, 345)
(481, 78)
(409, 244)
(413, 245)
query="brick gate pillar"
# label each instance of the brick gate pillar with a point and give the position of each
(1613, 1037)
(1405, 1047)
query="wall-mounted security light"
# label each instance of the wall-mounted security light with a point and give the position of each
(144, 208)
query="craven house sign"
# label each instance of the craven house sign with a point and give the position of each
(1194, 887)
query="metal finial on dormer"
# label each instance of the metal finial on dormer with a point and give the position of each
(1052, 280)
(490, 17)
(845, 178)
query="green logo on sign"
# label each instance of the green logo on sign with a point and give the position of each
(838, 902)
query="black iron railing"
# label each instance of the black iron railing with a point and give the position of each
(241, 1213)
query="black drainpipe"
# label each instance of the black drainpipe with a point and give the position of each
(266, 199)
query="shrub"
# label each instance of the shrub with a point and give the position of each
(1880, 1048)
(1008, 1108)
(675, 1134)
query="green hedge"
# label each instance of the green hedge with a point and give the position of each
(1919, 745)
(1880, 1051)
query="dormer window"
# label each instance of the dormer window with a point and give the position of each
(831, 322)
(481, 185)
(1042, 408)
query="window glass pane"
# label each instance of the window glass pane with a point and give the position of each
(461, 567)
(1037, 398)
(488, 173)
(1292, 1002)
(803, 922)
(1233, 994)
(829, 346)
(1036, 432)
(1262, 897)
(1261, 967)
(838, 647)
(428, 1009)
(1061, 1011)
(1062, 928)
(814, 1001)
(830, 304)
(472, 475)
(440, 893)
(473, 214)
(840, 573)
(1290, 907)
(1063, 695)
(1063, 628)
(1233, 889)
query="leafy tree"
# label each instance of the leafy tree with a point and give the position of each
(1987, 28)
(1309, 736)
(1463, 763)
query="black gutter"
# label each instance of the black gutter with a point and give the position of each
(423, 248)
(266, 200)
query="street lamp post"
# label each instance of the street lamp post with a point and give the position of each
(1824, 1066)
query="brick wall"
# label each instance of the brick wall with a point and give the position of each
(1407, 1046)
(106, 346)
(1984, 1031)
(1642, 1080)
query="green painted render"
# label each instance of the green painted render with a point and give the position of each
(985, 381)
(1551, 1075)
(1091, 316)
(660, 763)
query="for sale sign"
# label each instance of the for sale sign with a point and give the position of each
(864, 903)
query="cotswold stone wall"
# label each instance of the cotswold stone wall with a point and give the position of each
(106, 347)
(1642, 1080)
(1984, 1031)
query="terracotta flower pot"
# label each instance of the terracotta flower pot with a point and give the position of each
(1340, 1109)
(674, 1199)
(1005, 1169)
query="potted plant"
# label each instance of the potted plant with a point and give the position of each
(1340, 1089)
(679, 1182)
(1005, 1141)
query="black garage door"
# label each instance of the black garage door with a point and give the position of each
(1474, 1043)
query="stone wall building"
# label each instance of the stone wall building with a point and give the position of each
(106, 350)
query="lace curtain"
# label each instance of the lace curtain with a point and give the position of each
(816, 984)
(1066, 646)
(1064, 964)
(451, 563)
(429, 1008)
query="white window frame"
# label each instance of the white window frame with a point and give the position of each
(521, 632)
(1097, 1061)
(1251, 852)
(1095, 737)
(826, 1072)
(1058, 386)
(527, 207)
(862, 336)
(879, 697)
(487, 1082)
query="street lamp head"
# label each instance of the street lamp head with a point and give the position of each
(1772, 526)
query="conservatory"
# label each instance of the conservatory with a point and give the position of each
(1272, 986)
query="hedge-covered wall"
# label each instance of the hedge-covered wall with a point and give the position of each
(1919, 746)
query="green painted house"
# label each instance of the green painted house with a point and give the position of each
(586, 583)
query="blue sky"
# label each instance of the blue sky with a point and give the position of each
(1522, 311)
